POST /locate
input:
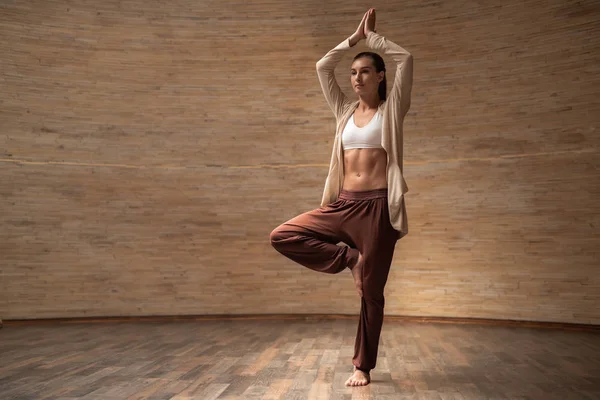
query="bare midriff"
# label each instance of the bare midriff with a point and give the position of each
(365, 169)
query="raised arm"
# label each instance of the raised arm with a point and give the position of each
(336, 99)
(401, 91)
(334, 96)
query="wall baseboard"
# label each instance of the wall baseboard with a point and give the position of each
(248, 317)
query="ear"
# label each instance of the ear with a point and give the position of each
(380, 76)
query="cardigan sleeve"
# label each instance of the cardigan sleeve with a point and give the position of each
(336, 99)
(401, 91)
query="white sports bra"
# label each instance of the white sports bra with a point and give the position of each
(369, 136)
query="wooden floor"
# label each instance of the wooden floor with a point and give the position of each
(293, 360)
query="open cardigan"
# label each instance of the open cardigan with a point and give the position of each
(393, 110)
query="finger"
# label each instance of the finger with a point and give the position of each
(362, 22)
(363, 18)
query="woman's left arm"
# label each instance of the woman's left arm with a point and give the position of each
(401, 91)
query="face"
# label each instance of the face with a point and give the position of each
(364, 77)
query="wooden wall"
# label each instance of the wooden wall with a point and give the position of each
(148, 149)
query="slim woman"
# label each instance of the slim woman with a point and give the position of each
(363, 199)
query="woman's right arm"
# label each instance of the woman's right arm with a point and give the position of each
(336, 99)
(334, 96)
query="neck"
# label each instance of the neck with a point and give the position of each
(369, 103)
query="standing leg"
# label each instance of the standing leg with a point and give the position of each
(375, 237)
(310, 239)
(376, 266)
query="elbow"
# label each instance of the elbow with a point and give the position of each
(325, 65)
(404, 61)
(320, 65)
(405, 65)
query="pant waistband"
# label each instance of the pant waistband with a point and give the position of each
(363, 194)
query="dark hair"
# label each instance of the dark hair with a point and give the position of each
(379, 66)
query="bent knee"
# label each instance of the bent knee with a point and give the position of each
(277, 235)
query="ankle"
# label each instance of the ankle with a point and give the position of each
(364, 371)
(355, 262)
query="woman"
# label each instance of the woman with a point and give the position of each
(363, 202)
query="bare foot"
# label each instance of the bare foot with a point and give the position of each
(358, 378)
(357, 274)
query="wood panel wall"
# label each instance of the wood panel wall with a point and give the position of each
(148, 149)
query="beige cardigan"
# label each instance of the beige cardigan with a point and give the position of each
(394, 110)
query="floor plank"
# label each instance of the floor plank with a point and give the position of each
(293, 359)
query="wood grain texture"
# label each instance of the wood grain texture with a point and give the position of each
(293, 360)
(147, 151)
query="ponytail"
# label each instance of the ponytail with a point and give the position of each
(383, 89)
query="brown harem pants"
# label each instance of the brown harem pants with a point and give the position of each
(361, 220)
